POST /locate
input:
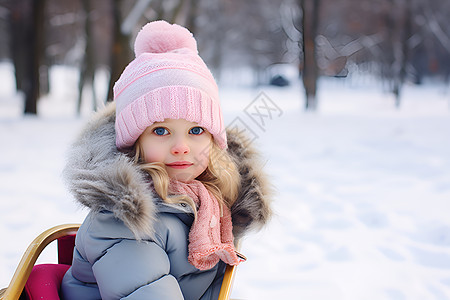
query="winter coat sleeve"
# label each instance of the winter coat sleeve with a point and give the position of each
(126, 268)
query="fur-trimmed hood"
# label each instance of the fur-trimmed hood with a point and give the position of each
(102, 178)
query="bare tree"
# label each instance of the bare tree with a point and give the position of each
(121, 53)
(87, 65)
(27, 20)
(310, 72)
(401, 48)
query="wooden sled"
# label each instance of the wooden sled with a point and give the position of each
(30, 280)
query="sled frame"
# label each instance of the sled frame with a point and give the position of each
(29, 258)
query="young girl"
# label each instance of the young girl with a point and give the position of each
(169, 191)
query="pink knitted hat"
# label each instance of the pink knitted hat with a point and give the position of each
(166, 80)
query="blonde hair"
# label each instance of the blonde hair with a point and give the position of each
(221, 177)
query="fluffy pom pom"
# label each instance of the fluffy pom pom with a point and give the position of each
(162, 37)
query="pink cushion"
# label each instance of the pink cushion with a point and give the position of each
(45, 281)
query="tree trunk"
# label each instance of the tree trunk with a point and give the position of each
(27, 42)
(310, 21)
(87, 66)
(121, 53)
(405, 34)
(36, 44)
(20, 11)
(191, 16)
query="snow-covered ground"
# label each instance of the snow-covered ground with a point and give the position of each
(362, 189)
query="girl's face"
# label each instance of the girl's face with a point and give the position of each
(182, 146)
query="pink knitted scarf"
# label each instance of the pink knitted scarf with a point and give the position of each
(211, 236)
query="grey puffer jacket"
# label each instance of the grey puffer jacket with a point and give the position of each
(132, 245)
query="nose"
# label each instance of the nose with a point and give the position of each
(180, 147)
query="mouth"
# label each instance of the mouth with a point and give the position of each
(180, 165)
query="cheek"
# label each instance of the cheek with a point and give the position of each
(150, 157)
(153, 154)
(202, 157)
(204, 161)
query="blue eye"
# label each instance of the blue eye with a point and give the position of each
(160, 131)
(196, 130)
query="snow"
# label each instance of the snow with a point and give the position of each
(361, 188)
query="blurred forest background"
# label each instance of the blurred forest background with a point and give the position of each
(397, 41)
